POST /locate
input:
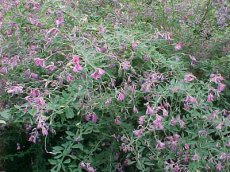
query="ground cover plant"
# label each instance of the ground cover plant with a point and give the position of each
(114, 85)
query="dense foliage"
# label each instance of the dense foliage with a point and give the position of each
(114, 85)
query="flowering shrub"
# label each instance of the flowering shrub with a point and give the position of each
(93, 86)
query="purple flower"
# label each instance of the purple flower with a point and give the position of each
(90, 169)
(39, 62)
(77, 68)
(32, 139)
(76, 62)
(141, 120)
(125, 65)
(172, 141)
(117, 120)
(34, 76)
(219, 167)
(178, 46)
(108, 101)
(150, 110)
(15, 89)
(87, 117)
(102, 49)
(34, 92)
(157, 123)
(138, 133)
(120, 96)
(167, 35)
(44, 131)
(182, 123)
(193, 60)
(91, 117)
(75, 59)
(94, 118)
(33, 136)
(214, 115)
(173, 121)
(82, 165)
(87, 167)
(59, 21)
(165, 112)
(3, 70)
(39, 101)
(98, 73)
(220, 87)
(14, 61)
(135, 110)
(36, 6)
(160, 145)
(51, 67)
(146, 87)
(186, 146)
(190, 99)
(167, 10)
(134, 45)
(189, 77)
(217, 78)
(195, 157)
(18, 146)
(69, 78)
(210, 97)
(219, 126)
(101, 30)
(177, 120)
(176, 168)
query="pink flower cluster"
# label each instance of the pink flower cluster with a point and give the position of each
(189, 77)
(15, 89)
(178, 46)
(117, 120)
(59, 21)
(97, 73)
(172, 141)
(217, 79)
(188, 101)
(150, 110)
(91, 117)
(157, 123)
(151, 80)
(76, 63)
(120, 96)
(30, 75)
(125, 65)
(134, 45)
(8, 63)
(38, 103)
(87, 167)
(176, 120)
(34, 21)
(41, 63)
(138, 132)
(36, 99)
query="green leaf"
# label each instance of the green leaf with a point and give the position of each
(5, 114)
(52, 162)
(58, 148)
(67, 161)
(2, 122)
(70, 133)
(72, 156)
(149, 163)
(69, 113)
(78, 146)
